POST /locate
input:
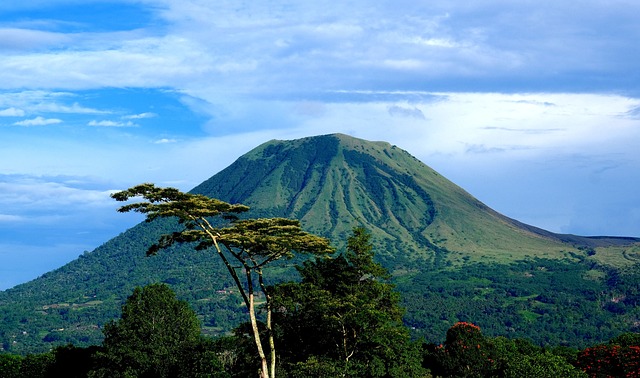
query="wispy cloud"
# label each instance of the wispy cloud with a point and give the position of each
(105, 123)
(525, 130)
(150, 62)
(28, 39)
(483, 149)
(39, 101)
(47, 191)
(10, 218)
(634, 113)
(165, 141)
(396, 110)
(12, 112)
(141, 116)
(38, 121)
(74, 108)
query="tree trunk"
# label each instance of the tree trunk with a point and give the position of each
(264, 370)
(272, 344)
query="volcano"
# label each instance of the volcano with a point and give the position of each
(425, 230)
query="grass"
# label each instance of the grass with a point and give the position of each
(617, 256)
(529, 316)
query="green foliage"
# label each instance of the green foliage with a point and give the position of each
(540, 365)
(200, 360)
(237, 353)
(627, 339)
(36, 365)
(157, 336)
(65, 361)
(151, 337)
(10, 365)
(315, 367)
(548, 301)
(519, 358)
(468, 353)
(342, 319)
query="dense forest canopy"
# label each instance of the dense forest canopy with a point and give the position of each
(342, 319)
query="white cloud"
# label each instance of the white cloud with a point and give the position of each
(9, 218)
(12, 112)
(165, 141)
(38, 121)
(466, 124)
(402, 111)
(39, 101)
(146, 62)
(435, 42)
(39, 195)
(74, 108)
(25, 39)
(111, 124)
(278, 48)
(141, 116)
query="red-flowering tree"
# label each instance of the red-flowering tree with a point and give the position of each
(463, 354)
(604, 361)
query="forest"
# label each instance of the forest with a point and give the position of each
(340, 317)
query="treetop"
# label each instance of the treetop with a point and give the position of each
(171, 202)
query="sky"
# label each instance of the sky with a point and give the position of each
(533, 107)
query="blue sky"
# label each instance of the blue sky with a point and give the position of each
(532, 107)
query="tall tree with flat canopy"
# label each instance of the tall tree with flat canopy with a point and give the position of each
(253, 243)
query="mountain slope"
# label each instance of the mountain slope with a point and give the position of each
(434, 237)
(333, 182)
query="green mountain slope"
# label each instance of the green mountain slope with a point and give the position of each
(452, 257)
(332, 182)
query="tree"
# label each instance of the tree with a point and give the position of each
(71, 361)
(464, 353)
(626, 339)
(150, 337)
(467, 353)
(540, 365)
(252, 243)
(10, 365)
(520, 358)
(201, 361)
(610, 361)
(36, 365)
(344, 319)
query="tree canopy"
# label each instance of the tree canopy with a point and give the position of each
(344, 318)
(151, 337)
